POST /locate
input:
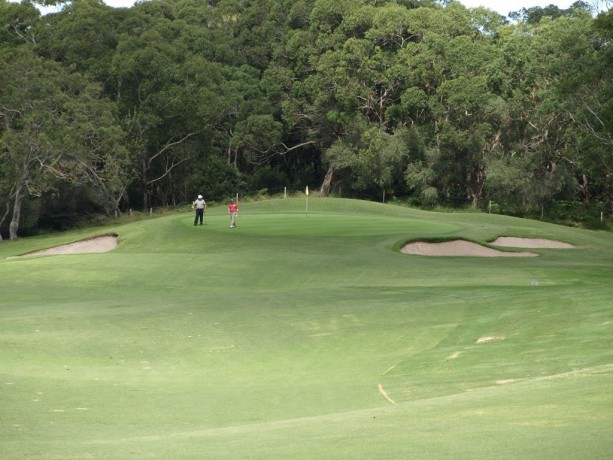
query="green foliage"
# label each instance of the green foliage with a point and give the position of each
(49, 135)
(329, 92)
(587, 215)
(266, 178)
(256, 135)
(214, 178)
(17, 22)
(536, 14)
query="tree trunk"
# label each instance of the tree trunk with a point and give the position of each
(6, 213)
(145, 186)
(475, 192)
(145, 199)
(14, 225)
(327, 183)
(584, 187)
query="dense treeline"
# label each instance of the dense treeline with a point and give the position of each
(104, 110)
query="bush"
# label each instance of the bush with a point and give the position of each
(215, 179)
(429, 197)
(266, 178)
(574, 213)
(493, 207)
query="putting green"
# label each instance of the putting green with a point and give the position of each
(326, 225)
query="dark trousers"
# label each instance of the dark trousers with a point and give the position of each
(199, 215)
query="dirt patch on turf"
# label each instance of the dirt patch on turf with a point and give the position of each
(458, 248)
(530, 243)
(96, 244)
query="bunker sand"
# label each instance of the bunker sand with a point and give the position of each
(458, 248)
(97, 244)
(530, 243)
(470, 249)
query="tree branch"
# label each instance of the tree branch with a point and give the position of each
(170, 145)
(168, 169)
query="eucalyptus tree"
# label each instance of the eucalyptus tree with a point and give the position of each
(189, 86)
(382, 162)
(54, 127)
(451, 92)
(249, 128)
(84, 35)
(259, 132)
(347, 81)
(534, 15)
(305, 94)
(589, 103)
(540, 61)
(167, 96)
(18, 22)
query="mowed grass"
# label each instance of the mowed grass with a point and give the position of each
(307, 335)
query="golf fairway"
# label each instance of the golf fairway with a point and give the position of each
(307, 334)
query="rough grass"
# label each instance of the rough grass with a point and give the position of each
(272, 340)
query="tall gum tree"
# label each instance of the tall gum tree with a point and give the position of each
(539, 62)
(46, 135)
(166, 95)
(589, 103)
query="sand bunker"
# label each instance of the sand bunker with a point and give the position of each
(534, 243)
(97, 244)
(466, 248)
(458, 248)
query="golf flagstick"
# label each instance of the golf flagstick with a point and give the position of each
(307, 200)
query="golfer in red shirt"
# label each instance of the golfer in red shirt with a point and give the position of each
(233, 210)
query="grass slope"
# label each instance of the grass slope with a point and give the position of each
(307, 335)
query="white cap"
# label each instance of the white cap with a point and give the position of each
(199, 197)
